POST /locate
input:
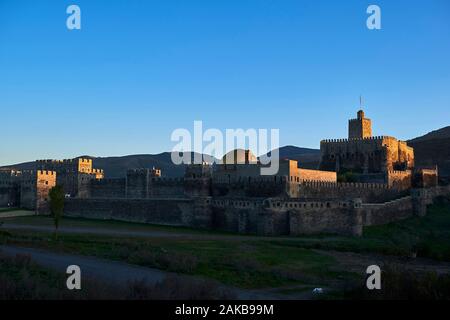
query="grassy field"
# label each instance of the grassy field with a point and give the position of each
(22, 279)
(247, 262)
(108, 224)
(427, 237)
(8, 209)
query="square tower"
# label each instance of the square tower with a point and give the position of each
(360, 127)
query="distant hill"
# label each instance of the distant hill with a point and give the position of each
(443, 133)
(307, 158)
(430, 149)
(116, 167)
(433, 148)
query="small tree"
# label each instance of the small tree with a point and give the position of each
(56, 196)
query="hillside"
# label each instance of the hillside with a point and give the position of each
(443, 133)
(116, 167)
(430, 149)
(307, 158)
(433, 148)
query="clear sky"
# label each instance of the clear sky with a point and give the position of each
(137, 70)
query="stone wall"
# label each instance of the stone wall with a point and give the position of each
(166, 187)
(252, 188)
(317, 175)
(383, 213)
(338, 220)
(107, 188)
(366, 155)
(400, 180)
(34, 189)
(176, 212)
(368, 192)
(9, 195)
(263, 216)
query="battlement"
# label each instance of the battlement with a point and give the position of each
(9, 174)
(299, 204)
(344, 185)
(36, 173)
(399, 172)
(372, 138)
(109, 181)
(251, 179)
(237, 203)
(49, 161)
(167, 179)
(64, 161)
(387, 203)
(144, 171)
(45, 173)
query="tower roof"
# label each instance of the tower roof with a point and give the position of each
(239, 156)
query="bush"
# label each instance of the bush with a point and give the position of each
(173, 261)
(21, 279)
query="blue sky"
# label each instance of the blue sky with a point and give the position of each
(137, 70)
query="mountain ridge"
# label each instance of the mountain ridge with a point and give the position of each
(430, 149)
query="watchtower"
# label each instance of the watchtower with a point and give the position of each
(359, 128)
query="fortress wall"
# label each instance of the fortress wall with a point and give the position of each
(137, 184)
(400, 180)
(68, 180)
(235, 219)
(177, 212)
(368, 192)
(195, 212)
(197, 187)
(425, 178)
(383, 213)
(262, 216)
(8, 195)
(347, 221)
(34, 189)
(28, 195)
(83, 185)
(248, 217)
(406, 154)
(352, 154)
(166, 187)
(251, 188)
(107, 188)
(45, 181)
(317, 175)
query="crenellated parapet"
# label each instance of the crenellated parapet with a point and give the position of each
(344, 185)
(354, 140)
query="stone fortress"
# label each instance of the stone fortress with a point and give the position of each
(362, 180)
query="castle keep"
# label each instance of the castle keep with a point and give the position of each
(362, 180)
(380, 159)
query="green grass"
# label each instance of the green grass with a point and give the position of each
(428, 237)
(8, 209)
(21, 279)
(107, 224)
(247, 262)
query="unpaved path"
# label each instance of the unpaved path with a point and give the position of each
(120, 273)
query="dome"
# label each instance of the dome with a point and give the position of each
(239, 156)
